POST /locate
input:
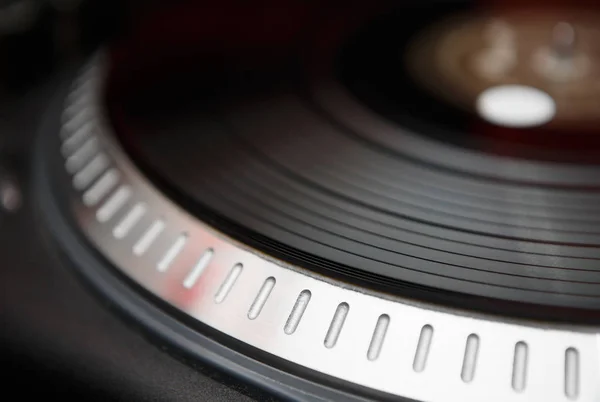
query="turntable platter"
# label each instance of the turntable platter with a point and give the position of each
(264, 149)
(310, 198)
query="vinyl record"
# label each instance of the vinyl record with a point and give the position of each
(354, 141)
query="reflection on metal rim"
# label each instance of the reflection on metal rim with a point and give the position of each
(387, 344)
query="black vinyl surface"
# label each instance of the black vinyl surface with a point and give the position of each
(236, 134)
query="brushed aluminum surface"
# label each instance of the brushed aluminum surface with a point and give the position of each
(386, 343)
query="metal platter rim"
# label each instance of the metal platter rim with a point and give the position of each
(392, 345)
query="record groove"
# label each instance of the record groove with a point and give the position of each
(272, 165)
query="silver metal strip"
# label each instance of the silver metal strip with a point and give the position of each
(419, 351)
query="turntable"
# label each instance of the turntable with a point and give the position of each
(389, 201)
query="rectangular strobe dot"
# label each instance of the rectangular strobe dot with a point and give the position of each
(129, 221)
(470, 358)
(113, 204)
(297, 312)
(378, 337)
(423, 346)
(519, 379)
(337, 323)
(198, 269)
(261, 298)
(228, 283)
(172, 253)
(571, 373)
(144, 243)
